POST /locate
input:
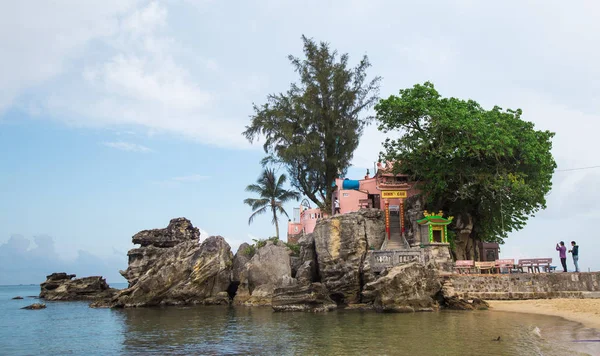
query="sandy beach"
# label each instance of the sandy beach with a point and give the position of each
(584, 311)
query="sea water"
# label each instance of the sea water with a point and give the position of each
(72, 328)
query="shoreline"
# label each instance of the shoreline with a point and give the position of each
(584, 311)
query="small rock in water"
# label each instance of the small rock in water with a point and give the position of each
(35, 306)
(18, 297)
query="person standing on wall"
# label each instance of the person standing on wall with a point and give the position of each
(562, 252)
(336, 205)
(575, 252)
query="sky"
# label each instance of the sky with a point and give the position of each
(118, 115)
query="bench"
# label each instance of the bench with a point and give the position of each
(544, 263)
(533, 264)
(485, 266)
(526, 263)
(507, 264)
(464, 266)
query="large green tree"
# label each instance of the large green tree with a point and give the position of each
(314, 128)
(272, 196)
(489, 168)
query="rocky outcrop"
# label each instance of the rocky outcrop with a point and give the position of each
(17, 297)
(179, 230)
(263, 273)
(35, 306)
(455, 303)
(62, 286)
(312, 297)
(242, 256)
(405, 288)
(341, 244)
(173, 268)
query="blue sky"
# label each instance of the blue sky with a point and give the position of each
(118, 115)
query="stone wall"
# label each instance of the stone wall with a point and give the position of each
(523, 286)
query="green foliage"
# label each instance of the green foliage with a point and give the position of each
(250, 250)
(294, 247)
(272, 196)
(258, 243)
(490, 164)
(314, 128)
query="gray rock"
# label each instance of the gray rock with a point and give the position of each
(187, 272)
(308, 254)
(405, 288)
(179, 230)
(17, 297)
(263, 273)
(62, 286)
(297, 297)
(242, 256)
(456, 303)
(35, 306)
(341, 245)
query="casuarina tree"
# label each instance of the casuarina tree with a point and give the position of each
(489, 168)
(272, 196)
(314, 128)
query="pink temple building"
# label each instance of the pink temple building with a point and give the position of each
(385, 190)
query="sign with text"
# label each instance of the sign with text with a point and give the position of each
(391, 194)
(394, 207)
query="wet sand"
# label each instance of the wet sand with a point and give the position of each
(584, 311)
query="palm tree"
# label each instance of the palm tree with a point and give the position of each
(272, 195)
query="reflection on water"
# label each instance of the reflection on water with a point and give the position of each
(73, 328)
(221, 330)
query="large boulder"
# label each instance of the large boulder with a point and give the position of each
(405, 288)
(263, 273)
(303, 297)
(173, 268)
(62, 286)
(308, 254)
(179, 230)
(341, 244)
(242, 256)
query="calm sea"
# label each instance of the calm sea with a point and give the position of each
(72, 328)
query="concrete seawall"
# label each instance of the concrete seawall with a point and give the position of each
(523, 286)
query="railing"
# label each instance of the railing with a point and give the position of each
(381, 260)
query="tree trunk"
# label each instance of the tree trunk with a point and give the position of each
(464, 244)
(276, 224)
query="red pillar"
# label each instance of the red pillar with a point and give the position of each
(387, 218)
(402, 215)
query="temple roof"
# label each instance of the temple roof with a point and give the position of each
(435, 219)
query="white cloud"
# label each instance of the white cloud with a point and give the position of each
(38, 39)
(127, 146)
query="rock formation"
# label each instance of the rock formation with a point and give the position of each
(341, 244)
(173, 268)
(35, 306)
(303, 297)
(62, 286)
(18, 297)
(263, 273)
(405, 288)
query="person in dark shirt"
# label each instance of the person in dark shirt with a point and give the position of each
(575, 252)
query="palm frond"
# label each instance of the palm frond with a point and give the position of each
(256, 213)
